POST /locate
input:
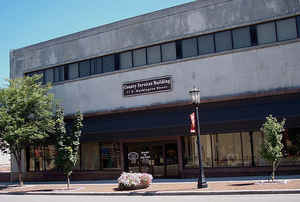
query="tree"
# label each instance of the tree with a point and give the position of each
(272, 146)
(26, 116)
(67, 145)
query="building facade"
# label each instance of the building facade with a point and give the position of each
(131, 81)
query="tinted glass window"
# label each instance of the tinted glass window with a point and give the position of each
(266, 33)
(153, 54)
(125, 60)
(96, 66)
(108, 63)
(286, 29)
(61, 73)
(223, 41)
(84, 68)
(139, 57)
(298, 24)
(241, 37)
(206, 44)
(73, 71)
(56, 74)
(168, 51)
(49, 77)
(189, 47)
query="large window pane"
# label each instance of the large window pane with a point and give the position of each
(246, 149)
(258, 140)
(189, 47)
(227, 150)
(168, 51)
(125, 60)
(139, 57)
(266, 33)
(110, 155)
(58, 74)
(49, 77)
(241, 37)
(286, 29)
(291, 144)
(206, 44)
(223, 41)
(153, 55)
(73, 71)
(190, 151)
(108, 63)
(96, 66)
(50, 153)
(84, 68)
(90, 156)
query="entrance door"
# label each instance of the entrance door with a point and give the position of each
(171, 160)
(161, 160)
(158, 161)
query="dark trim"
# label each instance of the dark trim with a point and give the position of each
(252, 149)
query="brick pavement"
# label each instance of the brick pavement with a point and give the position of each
(293, 184)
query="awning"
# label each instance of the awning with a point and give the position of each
(218, 117)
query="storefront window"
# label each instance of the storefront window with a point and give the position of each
(41, 158)
(227, 150)
(90, 156)
(110, 155)
(291, 141)
(190, 151)
(258, 139)
(246, 149)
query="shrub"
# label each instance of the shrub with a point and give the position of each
(130, 181)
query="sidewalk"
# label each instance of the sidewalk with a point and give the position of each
(216, 186)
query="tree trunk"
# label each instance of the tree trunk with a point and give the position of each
(20, 172)
(273, 170)
(68, 181)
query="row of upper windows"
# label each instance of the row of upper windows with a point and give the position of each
(279, 30)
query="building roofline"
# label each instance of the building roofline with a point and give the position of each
(186, 7)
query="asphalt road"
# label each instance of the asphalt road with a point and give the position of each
(233, 198)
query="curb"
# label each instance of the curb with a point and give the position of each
(150, 193)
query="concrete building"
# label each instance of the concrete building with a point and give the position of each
(131, 80)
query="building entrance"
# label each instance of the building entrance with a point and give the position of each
(158, 159)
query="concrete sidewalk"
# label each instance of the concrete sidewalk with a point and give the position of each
(216, 186)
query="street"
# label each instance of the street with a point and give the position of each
(218, 198)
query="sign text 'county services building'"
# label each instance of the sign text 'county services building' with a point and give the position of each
(153, 85)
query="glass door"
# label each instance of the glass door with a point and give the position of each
(171, 160)
(157, 161)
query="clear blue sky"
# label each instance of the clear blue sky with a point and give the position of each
(27, 22)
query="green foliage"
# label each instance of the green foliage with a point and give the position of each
(67, 144)
(272, 146)
(26, 114)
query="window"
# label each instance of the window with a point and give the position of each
(49, 75)
(40, 158)
(223, 41)
(84, 68)
(96, 66)
(241, 37)
(108, 63)
(153, 55)
(168, 51)
(298, 25)
(59, 74)
(286, 29)
(73, 71)
(206, 44)
(189, 47)
(139, 57)
(110, 155)
(90, 157)
(126, 60)
(266, 33)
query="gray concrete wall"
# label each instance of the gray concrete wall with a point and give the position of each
(188, 19)
(255, 70)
